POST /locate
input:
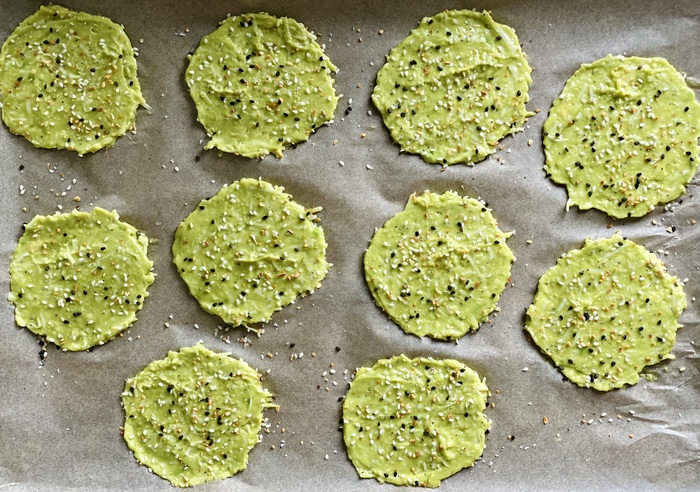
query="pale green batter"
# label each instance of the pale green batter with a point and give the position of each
(454, 87)
(249, 251)
(260, 83)
(79, 279)
(623, 136)
(194, 416)
(439, 267)
(414, 421)
(605, 312)
(68, 81)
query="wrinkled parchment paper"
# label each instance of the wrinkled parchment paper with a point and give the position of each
(59, 422)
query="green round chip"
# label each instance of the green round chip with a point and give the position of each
(260, 83)
(439, 267)
(79, 278)
(605, 312)
(68, 80)
(623, 136)
(249, 251)
(454, 87)
(194, 416)
(414, 421)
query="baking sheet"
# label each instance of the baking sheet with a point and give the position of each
(59, 422)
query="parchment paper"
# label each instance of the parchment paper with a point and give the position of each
(59, 422)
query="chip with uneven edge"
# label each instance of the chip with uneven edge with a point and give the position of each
(439, 267)
(605, 312)
(68, 80)
(414, 421)
(454, 87)
(623, 136)
(249, 251)
(194, 416)
(260, 84)
(79, 279)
